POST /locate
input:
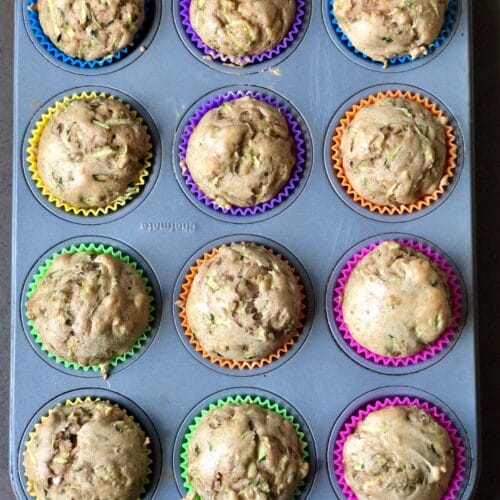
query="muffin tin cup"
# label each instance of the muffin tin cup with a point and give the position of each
(394, 63)
(342, 334)
(297, 172)
(142, 38)
(79, 396)
(212, 54)
(32, 160)
(229, 363)
(356, 416)
(98, 249)
(265, 400)
(424, 202)
(232, 367)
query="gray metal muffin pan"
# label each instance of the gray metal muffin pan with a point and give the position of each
(164, 227)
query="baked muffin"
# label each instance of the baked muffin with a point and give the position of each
(382, 30)
(92, 450)
(398, 452)
(394, 151)
(244, 303)
(396, 301)
(241, 28)
(92, 29)
(245, 451)
(92, 152)
(89, 308)
(241, 153)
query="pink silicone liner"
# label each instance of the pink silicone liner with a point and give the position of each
(432, 349)
(184, 6)
(441, 418)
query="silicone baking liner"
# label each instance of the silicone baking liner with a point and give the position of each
(295, 175)
(449, 167)
(99, 250)
(352, 422)
(229, 363)
(50, 48)
(32, 160)
(431, 350)
(449, 22)
(245, 60)
(256, 400)
(74, 402)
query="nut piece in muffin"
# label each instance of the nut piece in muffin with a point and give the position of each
(92, 152)
(245, 451)
(90, 29)
(241, 153)
(89, 308)
(393, 28)
(241, 28)
(244, 303)
(398, 452)
(91, 450)
(394, 151)
(396, 301)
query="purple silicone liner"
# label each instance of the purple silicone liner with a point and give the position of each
(442, 419)
(295, 175)
(432, 349)
(242, 61)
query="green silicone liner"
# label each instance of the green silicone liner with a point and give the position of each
(256, 400)
(99, 250)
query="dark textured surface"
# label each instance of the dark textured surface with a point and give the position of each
(6, 38)
(487, 142)
(487, 153)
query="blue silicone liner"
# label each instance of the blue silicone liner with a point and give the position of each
(51, 49)
(449, 21)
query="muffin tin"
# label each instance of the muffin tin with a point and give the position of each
(317, 228)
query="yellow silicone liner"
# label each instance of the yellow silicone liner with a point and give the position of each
(229, 363)
(74, 402)
(450, 162)
(32, 159)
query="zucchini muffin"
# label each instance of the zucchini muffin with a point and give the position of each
(244, 303)
(393, 28)
(89, 308)
(396, 301)
(91, 450)
(396, 453)
(92, 152)
(241, 28)
(245, 451)
(90, 29)
(394, 151)
(241, 153)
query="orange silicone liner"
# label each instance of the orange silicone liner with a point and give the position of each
(229, 363)
(450, 162)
